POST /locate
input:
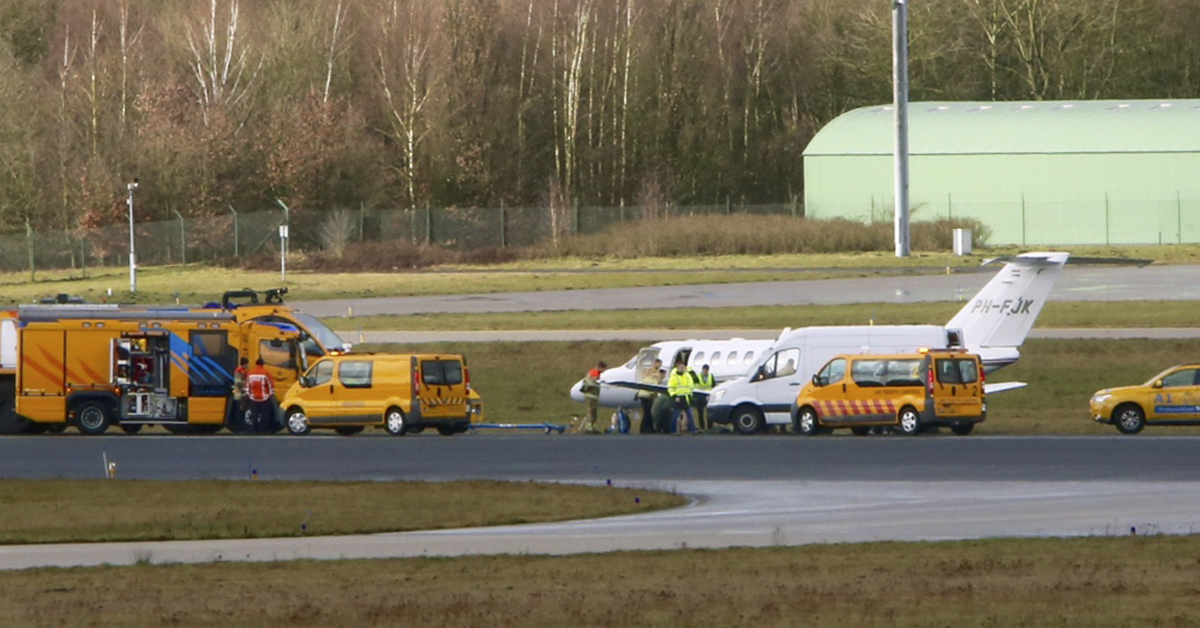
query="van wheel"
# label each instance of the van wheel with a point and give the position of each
(910, 422)
(962, 429)
(297, 422)
(748, 420)
(348, 430)
(860, 430)
(395, 422)
(1129, 418)
(806, 422)
(92, 418)
(447, 430)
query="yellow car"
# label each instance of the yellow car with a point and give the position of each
(1170, 398)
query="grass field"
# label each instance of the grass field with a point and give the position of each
(59, 511)
(1097, 582)
(198, 283)
(1062, 375)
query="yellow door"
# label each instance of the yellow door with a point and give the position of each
(828, 389)
(1177, 399)
(957, 389)
(443, 387)
(317, 394)
(357, 401)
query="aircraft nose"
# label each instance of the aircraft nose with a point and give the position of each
(577, 392)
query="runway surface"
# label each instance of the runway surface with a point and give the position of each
(748, 491)
(1078, 283)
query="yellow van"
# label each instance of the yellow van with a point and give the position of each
(399, 393)
(910, 392)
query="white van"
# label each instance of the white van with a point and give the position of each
(765, 394)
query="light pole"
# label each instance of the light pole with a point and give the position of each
(132, 257)
(900, 97)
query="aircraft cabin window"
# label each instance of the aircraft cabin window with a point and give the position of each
(699, 357)
(732, 358)
(749, 358)
(716, 357)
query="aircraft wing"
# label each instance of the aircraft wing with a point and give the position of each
(1002, 387)
(658, 388)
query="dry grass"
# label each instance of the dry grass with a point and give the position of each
(57, 511)
(1100, 582)
(746, 234)
(1062, 375)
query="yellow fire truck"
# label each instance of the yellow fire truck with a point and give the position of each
(95, 366)
(93, 373)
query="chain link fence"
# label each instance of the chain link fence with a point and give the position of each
(239, 234)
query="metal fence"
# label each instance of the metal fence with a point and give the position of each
(239, 234)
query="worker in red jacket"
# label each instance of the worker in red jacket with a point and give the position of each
(260, 388)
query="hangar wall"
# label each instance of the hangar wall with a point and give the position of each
(1054, 195)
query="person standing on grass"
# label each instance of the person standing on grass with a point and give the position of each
(679, 387)
(646, 397)
(260, 388)
(704, 383)
(591, 395)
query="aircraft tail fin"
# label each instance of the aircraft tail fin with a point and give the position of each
(1003, 312)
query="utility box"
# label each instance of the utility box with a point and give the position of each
(962, 241)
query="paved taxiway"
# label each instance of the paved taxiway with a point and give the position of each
(1077, 283)
(749, 491)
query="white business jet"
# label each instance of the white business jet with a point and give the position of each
(993, 324)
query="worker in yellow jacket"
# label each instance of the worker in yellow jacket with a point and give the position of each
(680, 386)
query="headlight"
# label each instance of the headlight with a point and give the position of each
(1101, 397)
(716, 396)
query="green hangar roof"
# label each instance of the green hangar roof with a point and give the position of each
(1034, 127)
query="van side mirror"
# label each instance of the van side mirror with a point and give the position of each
(816, 380)
(1158, 383)
(306, 381)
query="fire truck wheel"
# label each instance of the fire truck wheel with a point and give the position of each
(131, 428)
(395, 422)
(92, 418)
(297, 422)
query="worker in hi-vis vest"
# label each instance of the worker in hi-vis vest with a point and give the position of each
(679, 387)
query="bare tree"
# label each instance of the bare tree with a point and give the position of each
(407, 82)
(220, 60)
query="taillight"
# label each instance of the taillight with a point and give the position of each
(929, 379)
(982, 377)
(416, 381)
(467, 377)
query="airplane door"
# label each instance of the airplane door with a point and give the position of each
(778, 382)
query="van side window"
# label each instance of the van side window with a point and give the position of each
(782, 364)
(356, 374)
(441, 372)
(904, 373)
(321, 373)
(868, 372)
(833, 372)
